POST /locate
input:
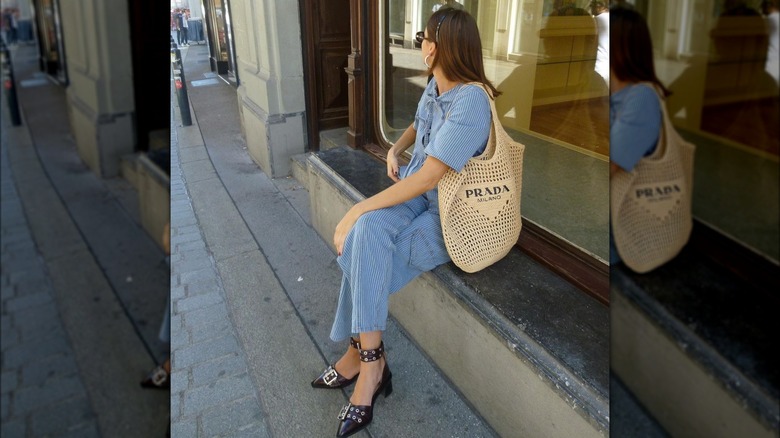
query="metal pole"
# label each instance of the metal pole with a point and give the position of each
(181, 86)
(10, 85)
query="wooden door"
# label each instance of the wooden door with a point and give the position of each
(326, 33)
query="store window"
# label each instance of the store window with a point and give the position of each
(52, 49)
(543, 56)
(720, 60)
(223, 56)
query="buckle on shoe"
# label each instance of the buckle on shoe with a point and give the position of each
(159, 376)
(330, 376)
(344, 410)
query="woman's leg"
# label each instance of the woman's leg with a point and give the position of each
(370, 372)
(367, 262)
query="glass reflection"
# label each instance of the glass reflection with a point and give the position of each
(719, 59)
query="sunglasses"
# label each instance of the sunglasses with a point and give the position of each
(420, 36)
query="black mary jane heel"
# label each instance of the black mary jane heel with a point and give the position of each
(331, 379)
(355, 418)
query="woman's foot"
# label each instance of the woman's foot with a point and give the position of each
(368, 381)
(374, 378)
(349, 364)
(344, 372)
(159, 377)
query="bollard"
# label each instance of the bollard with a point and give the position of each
(10, 85)
(181, 87)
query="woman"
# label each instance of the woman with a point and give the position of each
(634, 105)
(390, 238)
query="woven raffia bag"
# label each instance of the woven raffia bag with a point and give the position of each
(480, 205)
(651, 206)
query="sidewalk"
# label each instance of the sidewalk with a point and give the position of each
(254, 289)
(83, 286)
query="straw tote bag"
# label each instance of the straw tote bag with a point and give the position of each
(480, 205)
(651, 206)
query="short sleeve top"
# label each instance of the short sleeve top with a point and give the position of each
(634, 125)
(452, 127)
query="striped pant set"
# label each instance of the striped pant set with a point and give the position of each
(388, 248)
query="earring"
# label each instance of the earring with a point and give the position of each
(425, 61)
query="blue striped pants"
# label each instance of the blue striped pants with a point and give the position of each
(385, 250)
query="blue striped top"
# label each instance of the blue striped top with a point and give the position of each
(452, 127)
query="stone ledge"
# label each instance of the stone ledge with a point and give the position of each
(548, 341)
(706, 365)
(154, 197)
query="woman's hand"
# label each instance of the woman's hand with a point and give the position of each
(392, 165)
(344, 227)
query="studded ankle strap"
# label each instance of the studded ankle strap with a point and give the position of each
(372, 355)
(354, 343)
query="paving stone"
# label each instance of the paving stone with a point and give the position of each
(175, 258)
(196, 277)
(10, 239)
(204, 316)
(84, 430)
(28, 301)
(197, 302)
(176, 406)
(194, 253)
(217, 393)
(207, 372)
(29, 281)
(180, 380)
(13, 429)
(243, 416)
(185, 230)
(183, 218)
(208, 285)
(27, 399)
(178, 293)
(67, 415)
(199, 260)
(25, 274)
(34, 350)
(205, 332)
(260, 430)
(185, 429)
(26, 320)
(181, 237)
(38, 372)
(179, 336)
(46, 329)
(9, 339)
(205, 351)
(178, 206)
(8, 381)
(5, 407)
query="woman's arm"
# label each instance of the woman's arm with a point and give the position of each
(403, 143)
(415, 185)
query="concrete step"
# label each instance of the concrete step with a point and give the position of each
(527, 349)
(696, 345)
(128, 169)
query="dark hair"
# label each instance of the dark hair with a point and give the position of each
(631, 51)
(458, 47)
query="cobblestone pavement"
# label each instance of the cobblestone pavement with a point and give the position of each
(211, 393)
(42, 391)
